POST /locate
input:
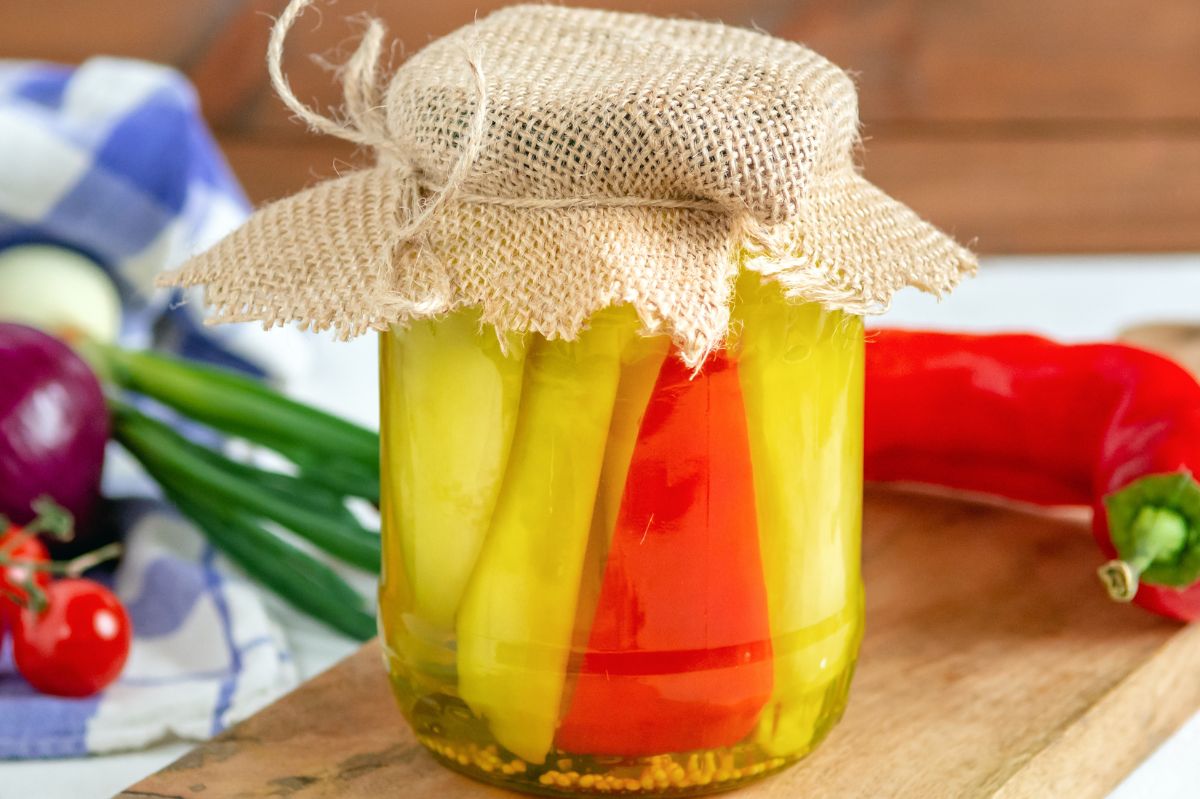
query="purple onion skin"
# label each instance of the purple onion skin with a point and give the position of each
(53, 427)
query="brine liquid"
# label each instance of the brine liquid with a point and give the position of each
(604, 573)
(461, 740)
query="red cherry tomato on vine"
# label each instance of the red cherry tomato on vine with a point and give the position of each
(14, 575)
(78, 644)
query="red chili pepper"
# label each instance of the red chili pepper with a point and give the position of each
(1019, 416)
(679, 654)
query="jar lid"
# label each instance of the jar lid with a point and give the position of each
(545, 162)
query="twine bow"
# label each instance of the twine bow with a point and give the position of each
(366, 123)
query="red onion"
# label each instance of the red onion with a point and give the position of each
(53, 426)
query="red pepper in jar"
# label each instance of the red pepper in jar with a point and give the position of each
(679, 653)
(1022, 417)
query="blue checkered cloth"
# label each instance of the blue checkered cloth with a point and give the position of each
(113, 159)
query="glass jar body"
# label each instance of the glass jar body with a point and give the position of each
(607, 572)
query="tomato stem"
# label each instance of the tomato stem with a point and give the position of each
(78, 565)
(14, 540)
(34, 598)
(52, 519)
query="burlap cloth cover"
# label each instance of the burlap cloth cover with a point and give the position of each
(544, 162)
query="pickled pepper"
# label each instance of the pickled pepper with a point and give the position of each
(679, 654)
(641, 361)
(450, 414)
(801, 370)
(517, 615)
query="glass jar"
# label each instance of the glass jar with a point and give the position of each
(606, 572)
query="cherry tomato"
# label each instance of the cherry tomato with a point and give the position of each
(13, 576)
(78, 644)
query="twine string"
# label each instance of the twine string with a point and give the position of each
(365, 123)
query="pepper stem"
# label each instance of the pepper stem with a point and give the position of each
(1159, 535)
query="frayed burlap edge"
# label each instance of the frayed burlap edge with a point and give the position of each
(676, 267)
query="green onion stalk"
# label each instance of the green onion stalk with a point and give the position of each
(241, 508)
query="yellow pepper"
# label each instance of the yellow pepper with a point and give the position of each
(515, 622)
(641, 361)
(801, 371)
(449, 411)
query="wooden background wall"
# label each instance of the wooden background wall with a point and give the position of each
(1024, 125)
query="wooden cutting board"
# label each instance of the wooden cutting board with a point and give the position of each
(994, 665)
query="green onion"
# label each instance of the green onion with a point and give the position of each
(198, 471)
(303, 489)
(342, 475)
(234, 502)
(237, 404)
(299, 578)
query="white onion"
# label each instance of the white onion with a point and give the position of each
(55, 289)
